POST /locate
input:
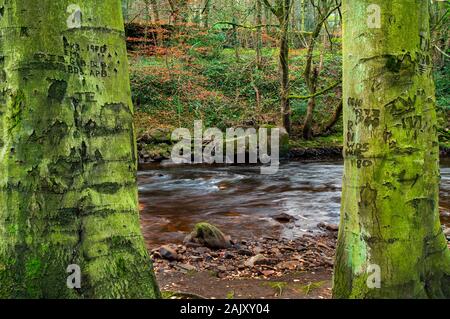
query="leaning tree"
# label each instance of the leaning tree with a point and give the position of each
(68, 195)
(390, 207)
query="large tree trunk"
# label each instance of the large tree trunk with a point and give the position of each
(390, 202)
(68, 190)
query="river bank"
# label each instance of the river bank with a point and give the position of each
(155, 146)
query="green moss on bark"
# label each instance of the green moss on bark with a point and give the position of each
(390, 211)
(68, 192)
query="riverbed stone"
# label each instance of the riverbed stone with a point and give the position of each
(284, 218)
(168, 253)
(209, 236)
(245, 252)
(222, 268)
(256, 260)
(287, 265)
(329, 227)
(447, 233)
(185, 267)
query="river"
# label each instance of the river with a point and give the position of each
(241, 201)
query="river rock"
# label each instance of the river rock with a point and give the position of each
(157, 135)
(202, 250)
(283, 142)
(222, 268)
(268, 273)
(168, 253)
(256, 260)
(210, 236)
(275, 251)
(284, 218)
(185, 267)
(447, 233)
(287, 265)
(245, 252)
(258, 250)
(228, 255)
(329, 227)
(444, 213)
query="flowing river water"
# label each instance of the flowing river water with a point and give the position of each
(242, 202)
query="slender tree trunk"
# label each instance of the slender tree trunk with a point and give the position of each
(311, 75)
(236, 42)
(303, 18)
(148, 20)
(259, 43)
(334, 119)
(390, 205)
(268, 20)
(284, 66)
(157, 20)
(309, 21)
(307, 126)
(155, 10)
(205, 13)
(68, 193)
(174, 12)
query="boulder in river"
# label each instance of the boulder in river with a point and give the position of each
(210, 236)
(284, 218)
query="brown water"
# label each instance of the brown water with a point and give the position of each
(241, 201)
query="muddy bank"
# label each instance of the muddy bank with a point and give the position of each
(292, 285)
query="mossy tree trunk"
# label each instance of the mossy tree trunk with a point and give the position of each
(68, 190)
(205, 13)
(390, 204)
(155, 9)
(258, 40)
(283, 18)
(312, 71)
(282, 10)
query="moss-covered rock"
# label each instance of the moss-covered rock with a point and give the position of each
(283, 141)
(209, 235)
(157, 135)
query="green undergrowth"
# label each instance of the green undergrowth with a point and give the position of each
(203, 80)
